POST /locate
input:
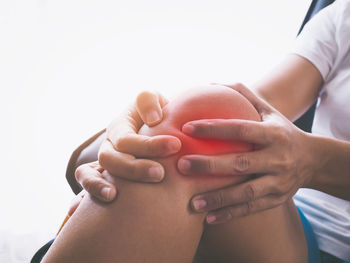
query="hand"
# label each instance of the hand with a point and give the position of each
(280, 162)
(122, 152)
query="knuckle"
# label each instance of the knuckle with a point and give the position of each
(250, 193)
(240, 163)
(278, 165)
(206, 128)
(282, 188)
(290, 165)
(241, 131)
(211, 165)
(218, 199)
(284, 163)
(211, 129)
(120, 142)
(157, 146)
(276, 186)
(94, 185)
(90, 185)
(280, 133)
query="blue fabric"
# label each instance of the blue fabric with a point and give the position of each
(313, 251)
(328, 258)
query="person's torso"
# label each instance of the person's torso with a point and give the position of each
(328, 215)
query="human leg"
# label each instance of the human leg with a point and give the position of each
(147, 223)
(275, 235)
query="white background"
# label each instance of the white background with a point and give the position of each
(68, 67)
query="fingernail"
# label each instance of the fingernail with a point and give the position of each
(106, 193)
(156, 173)
(188, 128)
(173, 146)
(184, 165)
(211, 219)
(199, 204)
(152, 116)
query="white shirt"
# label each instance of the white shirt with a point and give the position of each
(325, 42)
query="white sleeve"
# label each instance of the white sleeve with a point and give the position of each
(317, 41)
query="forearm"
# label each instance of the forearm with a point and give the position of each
(331, 162)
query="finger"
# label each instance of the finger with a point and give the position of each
(149, 106)
(225, 165)
(259, 104)
(145, 146)
(129, 122)
(228, 129)
(239, 194)
(123, 131)
(128, 167)
(228, 213)
(89, 176)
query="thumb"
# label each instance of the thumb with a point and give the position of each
(149, 106)
(90, 177)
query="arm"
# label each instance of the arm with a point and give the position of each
(294, 73)
(292, 87)
(295, 159)
(139, 220)
(331, 167)
(299, 81)
(293, 156)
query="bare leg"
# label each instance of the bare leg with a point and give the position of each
(152, 223)
(147, 223)
(275, 235)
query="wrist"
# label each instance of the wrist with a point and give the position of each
(315, 157)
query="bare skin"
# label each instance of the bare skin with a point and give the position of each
(153, 223)
(282, 97)
(296, 159)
